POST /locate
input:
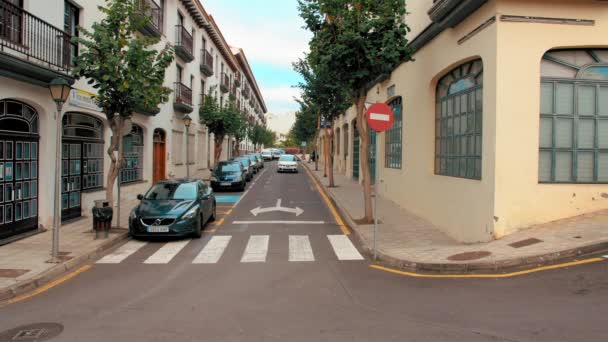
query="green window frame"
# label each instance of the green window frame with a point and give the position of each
(393, 137)
(573, 137)
(459, 122)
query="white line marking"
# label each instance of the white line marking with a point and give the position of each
(166, 252)
(605, 256)
(213, 251)
(344, 248)
(380, 117)
(300, 249)
(278, 222)
(256, 249)
(122, 253)
(246, 192)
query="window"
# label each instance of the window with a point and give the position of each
(458, 122)
(190, 147)
(573, 138)
(345, 141)
(133, 155)
(176, 149)
(393, 138)
(86, 132)
(200, 149)
(70, 23)
(179, 74)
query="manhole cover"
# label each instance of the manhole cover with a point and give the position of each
(32, 332)
(524, 243)
(469, 256)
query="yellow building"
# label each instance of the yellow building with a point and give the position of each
(501, 120)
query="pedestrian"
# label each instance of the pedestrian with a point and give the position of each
(313, 156)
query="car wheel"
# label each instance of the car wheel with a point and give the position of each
(198, 232)
(242, 188)
(213, 213)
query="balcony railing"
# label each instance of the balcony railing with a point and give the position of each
(183, 43)
(154, 13)
(206, 62)
(225, 83)
(183, 94)
(33, 39)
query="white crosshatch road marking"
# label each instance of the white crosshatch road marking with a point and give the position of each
(344, 248)
(257, 249)
(122, 253)
(300, 249)
(379, 117)
(167, 252)
(213, 251)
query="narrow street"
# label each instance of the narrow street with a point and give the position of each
(299, 278)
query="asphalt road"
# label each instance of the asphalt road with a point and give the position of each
(280, 281)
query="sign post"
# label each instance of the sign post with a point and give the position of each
(379, 118)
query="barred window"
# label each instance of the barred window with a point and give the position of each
(573, 139)
(133, 155)
(177, 147)
(393, 139)
(458, 122)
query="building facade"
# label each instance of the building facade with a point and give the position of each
(499, 120)
(35, 48)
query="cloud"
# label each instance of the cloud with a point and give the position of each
(281, 123)
(281, 93)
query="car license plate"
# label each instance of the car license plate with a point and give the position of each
(225, 184)
(158, 229)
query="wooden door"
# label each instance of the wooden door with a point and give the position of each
(159, 155)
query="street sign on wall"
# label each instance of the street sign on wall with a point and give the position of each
(380, 117)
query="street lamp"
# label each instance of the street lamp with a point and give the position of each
(187, 123)
(60, 91)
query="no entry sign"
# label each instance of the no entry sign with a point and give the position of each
(380, 117)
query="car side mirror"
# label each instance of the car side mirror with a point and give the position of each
(140, 197)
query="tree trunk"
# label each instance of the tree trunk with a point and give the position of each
(116, 125)
(364, 157)
(325, 154)
(217, 148)
(330, 158)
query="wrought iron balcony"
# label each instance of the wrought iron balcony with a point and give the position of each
(183, 98)
(237, 79)
(206, 63)
(154, 15)
(183, 44)
(26, 38)
(225, 83)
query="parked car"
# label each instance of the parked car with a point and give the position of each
(260, 159)
(276, 154)
(267, 154)
(173, 208)
(229, 175)
(288, 162)
(247, 165)
(257, 165)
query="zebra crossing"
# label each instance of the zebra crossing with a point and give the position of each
(255, 251)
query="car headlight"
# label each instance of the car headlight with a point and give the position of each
(213, 179)
(237, 178)
(190, 213)
(133, 214)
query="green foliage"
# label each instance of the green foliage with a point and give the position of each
(126, 71)
(222, 121)
(305, 127)
(260, 135)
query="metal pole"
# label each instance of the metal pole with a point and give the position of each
(377, 152)
(187, 159)
(58, 169)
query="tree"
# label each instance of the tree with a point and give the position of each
(357, 43)
(126, 71)
(220, 121)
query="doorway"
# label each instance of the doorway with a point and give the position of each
(159, 156)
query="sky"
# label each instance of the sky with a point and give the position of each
(271, 34)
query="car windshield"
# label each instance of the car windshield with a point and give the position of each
(287, 158)
(245, 161)
(232, 167)
(252, 157)
(172, 191)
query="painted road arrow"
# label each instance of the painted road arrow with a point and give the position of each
(260, 210)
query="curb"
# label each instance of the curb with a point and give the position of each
(39, 280)
(494, 267)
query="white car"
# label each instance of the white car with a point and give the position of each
(288, 163)
(267, 154)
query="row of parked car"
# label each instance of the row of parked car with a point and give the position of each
(272, 153)
(235, 173)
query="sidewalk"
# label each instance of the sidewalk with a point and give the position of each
(412, 243)
(23, 265)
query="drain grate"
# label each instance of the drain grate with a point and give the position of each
(11, 272)
(469, 256)
(36, 332)
(524, 243)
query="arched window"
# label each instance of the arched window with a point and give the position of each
(16, 116)
(573, 144)
(458, 122)
(82, 126)
(133, 154)
(393, 138)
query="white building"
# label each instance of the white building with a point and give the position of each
(35, 48)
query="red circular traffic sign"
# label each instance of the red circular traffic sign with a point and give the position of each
(380, 117)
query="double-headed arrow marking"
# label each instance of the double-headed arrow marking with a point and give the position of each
(260, 210)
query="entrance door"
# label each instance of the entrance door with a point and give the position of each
(71, 179)
(355, 151)
(18, 168)
(159, 156)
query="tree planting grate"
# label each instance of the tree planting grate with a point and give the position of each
(466, 256)
(11, 272)
(36, 332)
(524, 243)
